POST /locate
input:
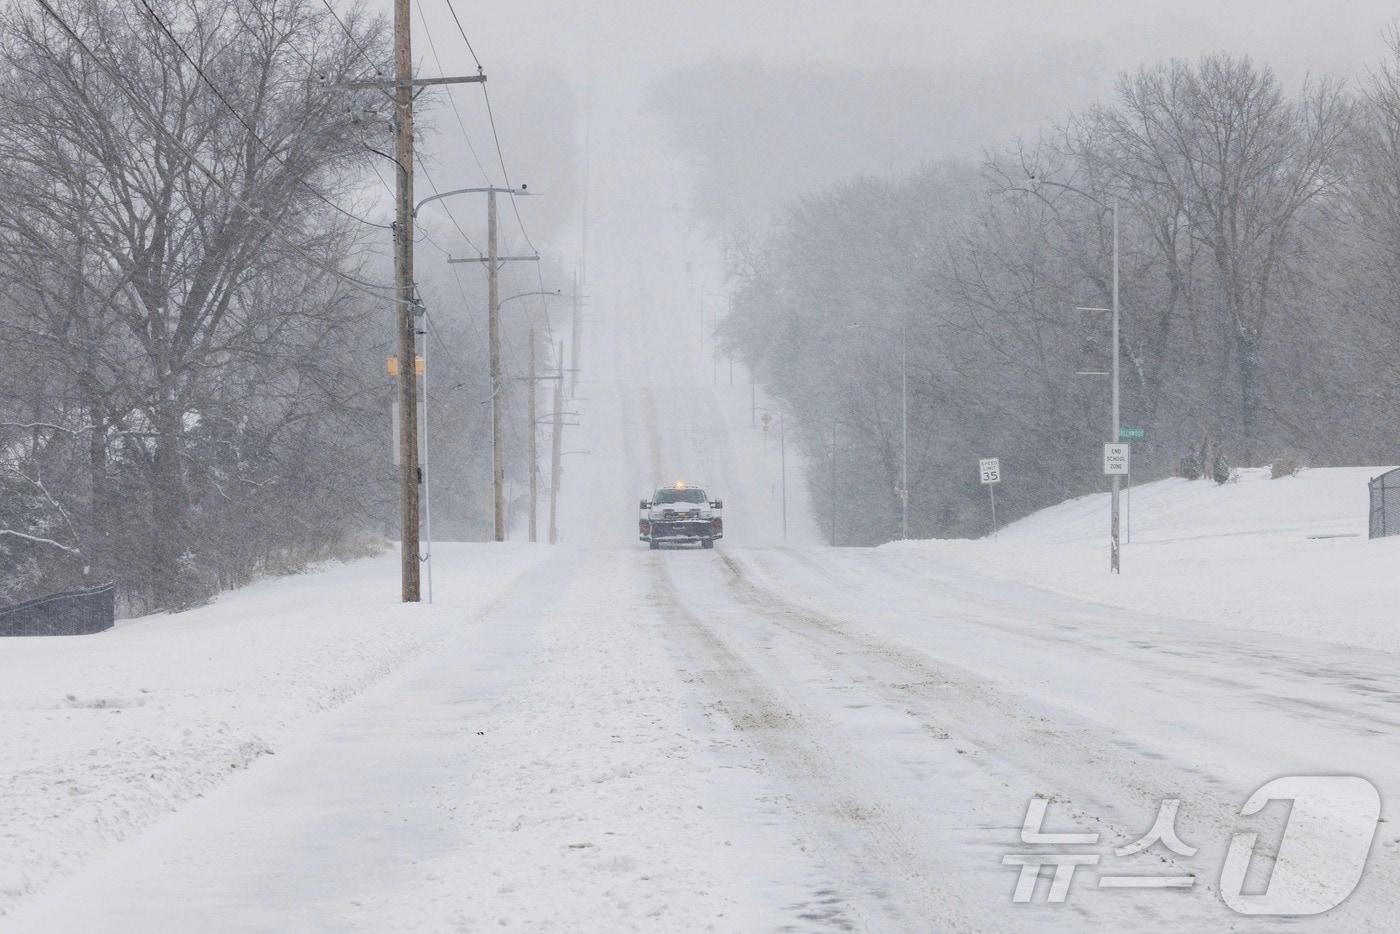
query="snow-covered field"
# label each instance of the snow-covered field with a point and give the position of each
(767, 737)
(1287, 555)
(105, 734)
(772, 736)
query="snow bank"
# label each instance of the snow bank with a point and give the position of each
(1288, 555)
(102, 734)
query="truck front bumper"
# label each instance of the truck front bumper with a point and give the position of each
(689, 530)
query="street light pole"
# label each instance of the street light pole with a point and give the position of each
(904, 431)
(833, 483)
(493, 327)
(556, 450)
(1113, 522)
(903, 418)
(782, 447)
(493, 261)
(532, 456)
(782, 463)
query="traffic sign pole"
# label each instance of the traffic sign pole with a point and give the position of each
(1117, 425)
(992, 489)
(990, 469)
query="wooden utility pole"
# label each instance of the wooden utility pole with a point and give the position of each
(833, 482)
(493, 261)
(409, 474)
(533, 456)
(556, 457)
(493, 269)
(575, 338)
(407, 307)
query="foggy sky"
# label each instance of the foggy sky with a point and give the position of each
(1002, 68)
(735, 107)
(633, 40)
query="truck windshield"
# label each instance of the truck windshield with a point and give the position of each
(678, 496)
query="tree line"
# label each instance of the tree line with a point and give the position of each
(193, 316)
(1259, 255)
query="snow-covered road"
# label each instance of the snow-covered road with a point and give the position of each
(764, 737)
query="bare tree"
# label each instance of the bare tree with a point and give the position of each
(176, 230)
(1221, 142)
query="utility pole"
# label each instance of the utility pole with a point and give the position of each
(533, 453)
(493, 261)
(1115, 434)
(903, 334)
(782, 446)
(407, 308)
(833, 483)
(574, 337)
(409, 474)
(493, 267)
(904, 431)
(581, 275)
(556, 457)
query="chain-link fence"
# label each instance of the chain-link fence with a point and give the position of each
(1385, 504)
(77, 613)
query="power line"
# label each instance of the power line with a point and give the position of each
(505, 173)
(249, 127)
(138, 104)
(450, 215)
(495, 135)
(311, 69)
(451, 9)
(378, 69)
(452, 101)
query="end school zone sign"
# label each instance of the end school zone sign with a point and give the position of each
(1117, 460)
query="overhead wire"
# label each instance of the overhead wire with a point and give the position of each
(312, 69)
(169, 34)
(378, 69)
(433, 185)
(138, 103)
(451, 100)
(500, 154)
(495, 135)
(453, 10)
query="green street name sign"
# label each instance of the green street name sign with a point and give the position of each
(1131, 434)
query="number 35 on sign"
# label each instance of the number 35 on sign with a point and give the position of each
(991, 469)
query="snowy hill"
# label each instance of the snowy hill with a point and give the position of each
(1315, 502)
(1288, 555)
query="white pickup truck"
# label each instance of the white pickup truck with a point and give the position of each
(681, 514)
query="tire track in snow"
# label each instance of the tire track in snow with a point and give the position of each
(1011, 736)
(885, 882)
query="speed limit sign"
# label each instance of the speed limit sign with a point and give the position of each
(991, 469)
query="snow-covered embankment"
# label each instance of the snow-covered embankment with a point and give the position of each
(103, 734)
(1287, 555)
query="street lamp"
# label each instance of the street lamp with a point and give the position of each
(510, 298)
(1115, 431)
(493, 261)
(903, 335)
(782, 461)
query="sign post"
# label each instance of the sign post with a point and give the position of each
(1117, 462)
(990, 469)
(1130, 434)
